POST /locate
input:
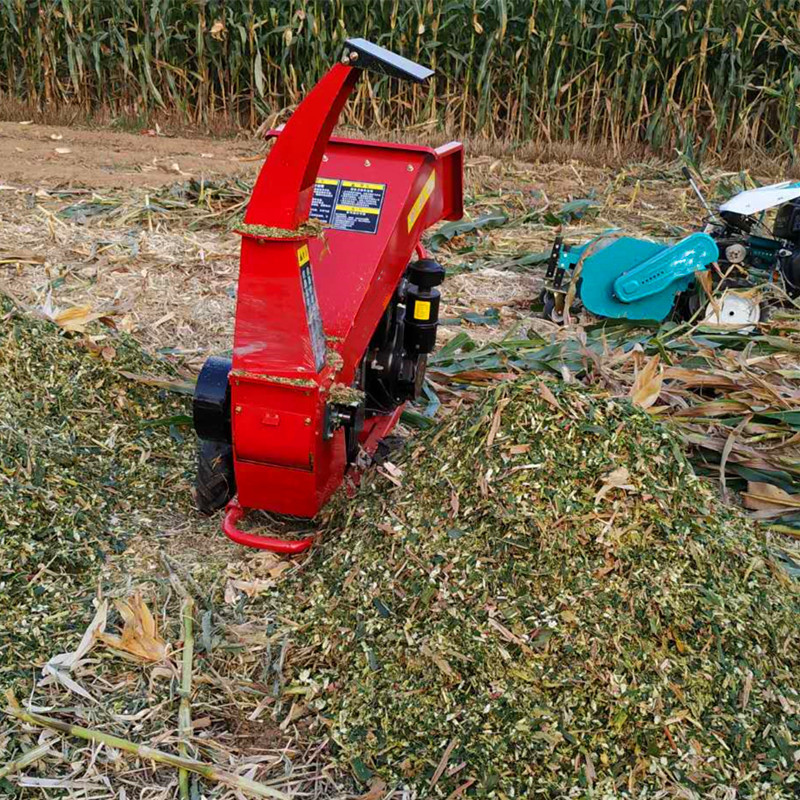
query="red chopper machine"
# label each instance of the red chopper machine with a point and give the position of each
(337, 307)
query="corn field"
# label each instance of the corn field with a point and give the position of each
(696, 75)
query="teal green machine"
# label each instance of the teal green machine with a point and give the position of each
(625, 278)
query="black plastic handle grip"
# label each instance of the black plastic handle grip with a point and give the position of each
(378, 59)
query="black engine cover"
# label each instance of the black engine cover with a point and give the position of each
(787, 222)
(398, 353)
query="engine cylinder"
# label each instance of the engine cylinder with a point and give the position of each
(422, 305)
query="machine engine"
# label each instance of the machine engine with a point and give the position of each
(399, 349)
(744, 238)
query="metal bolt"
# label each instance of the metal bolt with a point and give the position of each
(307, 420)
(367, 163)
(354, 56)
(324, 158)
(410, 167)
(238, 409)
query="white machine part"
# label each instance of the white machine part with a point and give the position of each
(754, 201)
(734, 311)
(736, 253)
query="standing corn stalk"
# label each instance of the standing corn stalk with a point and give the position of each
(711, 74)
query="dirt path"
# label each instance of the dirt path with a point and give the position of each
(34, 155)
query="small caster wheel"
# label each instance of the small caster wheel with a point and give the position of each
(550, 311)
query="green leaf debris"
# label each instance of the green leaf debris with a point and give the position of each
(81, 470)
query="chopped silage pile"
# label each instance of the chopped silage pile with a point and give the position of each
(550, 604)
(87, 460)
(551, 601)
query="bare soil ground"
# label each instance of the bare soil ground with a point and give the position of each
(36, 155)
(106, 226)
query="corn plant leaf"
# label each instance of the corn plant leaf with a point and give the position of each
(75, 319)
(647, 386)
(451, 230)
(768, 497)
(139, 638)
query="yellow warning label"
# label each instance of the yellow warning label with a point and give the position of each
(358, 210)
(361, 185)
(345, 205)
(419, 203)
(302, 255)
(422, 310)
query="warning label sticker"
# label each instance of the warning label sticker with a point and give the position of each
(422, 310)
(348, 205)
(324, 199)
(313, 316)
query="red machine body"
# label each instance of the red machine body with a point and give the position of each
(309, 302)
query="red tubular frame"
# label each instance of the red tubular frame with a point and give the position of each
(234, 514)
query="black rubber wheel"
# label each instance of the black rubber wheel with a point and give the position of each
(550, 313)
(215, 483)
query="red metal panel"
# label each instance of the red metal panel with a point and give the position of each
(271, 333)
(347, 265)
(450, 172)
(357, 274)
(286, 468)
(273, 423)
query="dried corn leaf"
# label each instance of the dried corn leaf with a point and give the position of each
(96, 627)
(767, 497)
(58, 668)
(616, 479)
(76, 319)
(140, 638)
(647, 386)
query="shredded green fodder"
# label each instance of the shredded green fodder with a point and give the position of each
(311, 227)
(552, 601)
(345, 395)
(87, 459)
